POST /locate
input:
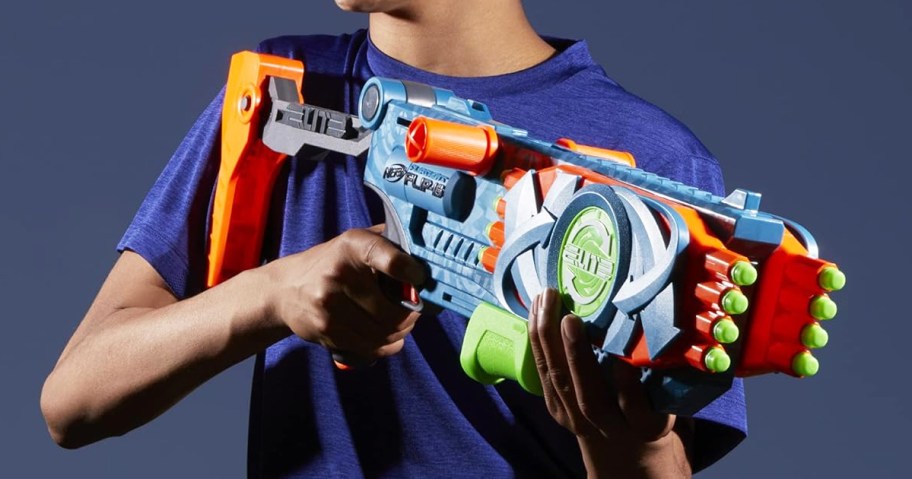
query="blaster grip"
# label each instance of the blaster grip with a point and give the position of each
(405, 293)
(393, 230)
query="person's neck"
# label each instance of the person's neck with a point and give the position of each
(452, 39)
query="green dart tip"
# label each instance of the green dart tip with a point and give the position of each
(734, 302)
(805, 364)
(726, 331)
(743, 273)
(814, 336)
(831, 279)
(717, 360)
(822, 308)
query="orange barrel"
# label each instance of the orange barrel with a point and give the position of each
(452, 145)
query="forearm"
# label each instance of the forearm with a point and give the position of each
(131, 365)
(626, 458)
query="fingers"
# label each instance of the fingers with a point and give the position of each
(362, 339)
(578, 392)
(595, 398)
(370, 252)
(343, 325)
(380, 306)
(551, 362)
(330, 294)
(552, 401)
(347, 359)
(378, 253)
(648, 424)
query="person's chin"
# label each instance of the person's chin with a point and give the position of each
(366, 6)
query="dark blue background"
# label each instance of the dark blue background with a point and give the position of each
(808, 102)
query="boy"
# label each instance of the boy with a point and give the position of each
(152, 334)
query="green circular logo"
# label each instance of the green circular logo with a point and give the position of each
(588, 260)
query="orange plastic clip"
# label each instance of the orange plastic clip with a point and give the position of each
(604, 153)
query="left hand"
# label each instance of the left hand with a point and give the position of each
(616, 427)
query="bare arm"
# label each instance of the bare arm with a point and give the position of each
(139, 350)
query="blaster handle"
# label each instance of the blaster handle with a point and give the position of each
(405, 293)
(393, 230)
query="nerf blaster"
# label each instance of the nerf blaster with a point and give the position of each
(693, 288)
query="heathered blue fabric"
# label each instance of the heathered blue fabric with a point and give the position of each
(415, 414)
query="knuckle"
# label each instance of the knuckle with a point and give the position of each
(411, 319)
(341, 242)
(556, 411)
(400, 331)
(541, 328)
(552, 404)
(365, 241)
(402, 318)
(322, 297)
(560, 380)
(328, 299)
(541, 363)
(353, 242)
(335, 273)
(377, 257)
(320, 324)
(397, 262)
(390, 349)
(395, 347)
(588, 411)
(350, 236)
(394, 334)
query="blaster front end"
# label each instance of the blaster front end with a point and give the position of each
(691, 287)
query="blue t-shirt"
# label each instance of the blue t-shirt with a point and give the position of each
(415, 414)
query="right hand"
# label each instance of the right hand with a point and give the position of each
(330, 294)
